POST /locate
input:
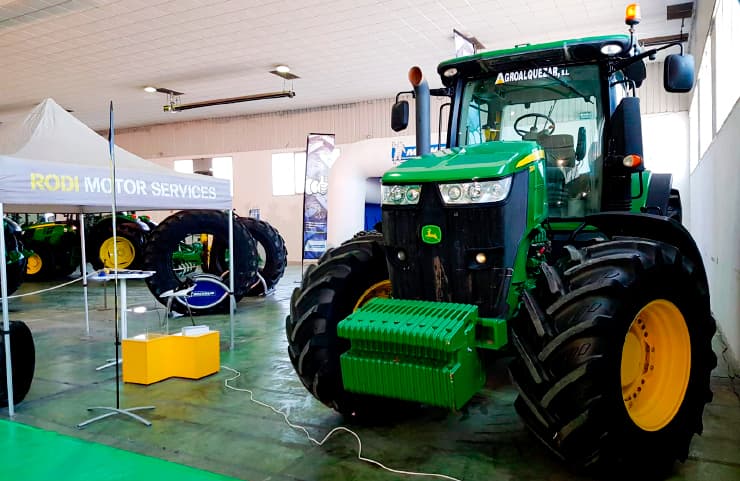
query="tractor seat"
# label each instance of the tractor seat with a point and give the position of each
(557, 196)
(559, 149)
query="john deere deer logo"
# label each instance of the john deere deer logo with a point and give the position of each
(431, 234)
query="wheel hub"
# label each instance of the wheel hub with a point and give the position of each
(379, 289)
(126, 252)
(34, 264)
(656, 364)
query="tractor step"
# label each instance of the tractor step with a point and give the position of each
(413, 350)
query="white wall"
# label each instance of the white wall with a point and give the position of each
(715, 224)
(253, 189)
(347, 186)
(666, 148)
(277, 130)
(346, 196)
(714, 185)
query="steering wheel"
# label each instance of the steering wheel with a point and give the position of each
(548, 128)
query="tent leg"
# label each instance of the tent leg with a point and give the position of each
(83, 271)
(232, 300)
(6, 320)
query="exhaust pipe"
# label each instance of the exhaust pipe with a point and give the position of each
(421, 92)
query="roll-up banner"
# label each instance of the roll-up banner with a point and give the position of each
(320, 156)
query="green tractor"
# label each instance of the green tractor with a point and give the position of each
(54, 249)
(54, 246)
(536, 233)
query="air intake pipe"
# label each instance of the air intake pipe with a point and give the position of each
(421, 92)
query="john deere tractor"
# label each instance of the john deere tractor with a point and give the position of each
(536, 232)
(55, 249)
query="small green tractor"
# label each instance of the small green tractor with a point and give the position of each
(537, 233)
(54, 247)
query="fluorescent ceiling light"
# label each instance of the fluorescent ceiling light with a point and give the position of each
(282, 68)
(150, 89)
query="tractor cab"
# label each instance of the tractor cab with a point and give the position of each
(562, 109)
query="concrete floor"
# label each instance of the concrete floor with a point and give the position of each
(203, 424)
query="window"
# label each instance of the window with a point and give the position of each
(704, 88)
(694, 133)
(300, 171)
(727, 68)
(184, 165)
(558, 107)
(221, 169)
(288, 173)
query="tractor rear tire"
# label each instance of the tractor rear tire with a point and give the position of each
(591, 387)
(23, 357)
(275, 253)
(164, 240)
(329, 293)
(130, 236)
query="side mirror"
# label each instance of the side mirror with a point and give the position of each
(581, 144)
(678, 73)
(400, 116)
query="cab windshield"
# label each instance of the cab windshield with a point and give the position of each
(560, 108)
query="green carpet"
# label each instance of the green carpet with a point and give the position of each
(32, 454)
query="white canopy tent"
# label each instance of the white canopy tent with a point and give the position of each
(50, 161)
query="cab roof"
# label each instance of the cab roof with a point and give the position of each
(578, 50)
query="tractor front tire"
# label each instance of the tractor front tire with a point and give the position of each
(41, 265)
(271, 246)
(331, 290)
(23, 358)
(617, 368)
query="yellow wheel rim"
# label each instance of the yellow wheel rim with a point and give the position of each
(34, 264)
(126, 252)
(656, 364)
(379, 289)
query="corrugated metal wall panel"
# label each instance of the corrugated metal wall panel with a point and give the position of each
(349, 122)
(653, 97)
(279, 130)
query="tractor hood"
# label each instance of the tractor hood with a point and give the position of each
(482, 161)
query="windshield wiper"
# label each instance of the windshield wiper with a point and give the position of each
(567, 85)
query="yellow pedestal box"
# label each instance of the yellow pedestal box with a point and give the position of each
(153, 357)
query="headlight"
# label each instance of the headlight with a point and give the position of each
(476, 192)
(401, 194)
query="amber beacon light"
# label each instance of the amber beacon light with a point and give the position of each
(632, 16)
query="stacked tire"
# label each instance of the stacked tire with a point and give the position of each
(167, 236)
(273, 255)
